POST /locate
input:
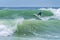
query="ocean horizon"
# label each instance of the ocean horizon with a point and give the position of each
(27, 7)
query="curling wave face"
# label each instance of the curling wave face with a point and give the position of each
(32, 29)
(56, 12)
(8, 27)
(44, 30)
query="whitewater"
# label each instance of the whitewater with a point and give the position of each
(56, 13)
(8, 29)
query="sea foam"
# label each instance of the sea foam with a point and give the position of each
(56, 12)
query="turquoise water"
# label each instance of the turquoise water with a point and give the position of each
(20, 28)
(30, 30)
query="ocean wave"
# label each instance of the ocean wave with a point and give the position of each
(56, 12)
(8, 27)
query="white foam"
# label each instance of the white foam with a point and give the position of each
(4, 31)
(20, 20)
(45, 18)
(56, 12)
(8, 29)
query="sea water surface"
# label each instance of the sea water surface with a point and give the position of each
(7, 28)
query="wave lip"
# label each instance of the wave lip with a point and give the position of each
(56, 12)
(7, 28)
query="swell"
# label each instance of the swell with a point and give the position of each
(38, 27)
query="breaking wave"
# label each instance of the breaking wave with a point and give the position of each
(32, 29)
(56, 13)
(8, 27)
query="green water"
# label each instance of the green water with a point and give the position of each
(38, 26)
(35, 30)
(27, 14)
(29, 29)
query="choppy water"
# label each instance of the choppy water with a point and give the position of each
(24, 38)
(49, 33)
(8, 28)
(56, 13)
